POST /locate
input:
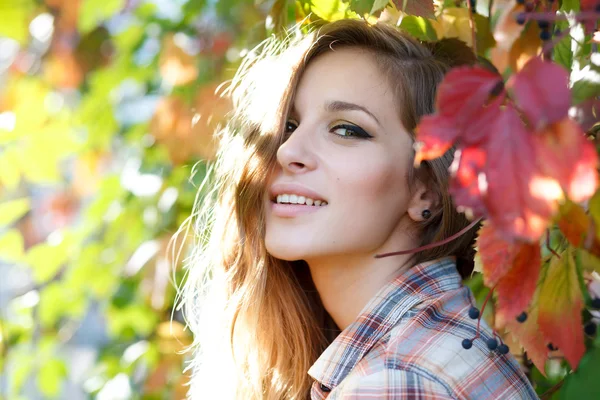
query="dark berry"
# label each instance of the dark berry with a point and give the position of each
(590, 328)
(543, 24)
(467, 344)
(545, 35)
(492, 343)
(521, 19)
(551, 347)
(521, 1)
(503, 349)
(597, 9)
(596, 302)
(473, 313)
(529, 7)
(497, 89)
(522, 317)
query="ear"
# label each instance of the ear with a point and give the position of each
(422, 199)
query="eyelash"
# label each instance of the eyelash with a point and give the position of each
(359, 133)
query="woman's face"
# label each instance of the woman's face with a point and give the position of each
(347, 149)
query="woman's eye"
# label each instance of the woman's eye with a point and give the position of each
(290, 126)
(348, 131)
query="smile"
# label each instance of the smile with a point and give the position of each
(300, 200)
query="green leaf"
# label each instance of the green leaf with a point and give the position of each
(584, 383)
(94, 12)
(584, 89)
(571, 5)
(57, 301)
(379, 5)
(11, 245)
(46, 260)
(13, 210)
(418, 27)
(51, 377)
(485, 40)
(22, 370)
(14, 18)
(362, 7)
(562, 52)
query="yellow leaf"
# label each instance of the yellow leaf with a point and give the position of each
(332, 10)
(560, 305)
(11, 245)
(14, 18)
(454, 22)
(10, 173)
(13, 210)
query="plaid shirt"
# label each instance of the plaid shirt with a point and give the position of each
(406, 344)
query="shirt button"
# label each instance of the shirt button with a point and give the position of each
(325, 388)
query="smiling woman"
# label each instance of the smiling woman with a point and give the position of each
(315, 178)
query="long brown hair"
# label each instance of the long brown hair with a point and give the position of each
(258, 322)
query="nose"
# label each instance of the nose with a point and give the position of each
(296, 154)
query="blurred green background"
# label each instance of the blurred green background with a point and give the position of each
(107, 108)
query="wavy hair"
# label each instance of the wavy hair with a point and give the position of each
(257, 320)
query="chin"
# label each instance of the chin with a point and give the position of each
(284, 251)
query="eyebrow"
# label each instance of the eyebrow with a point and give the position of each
(345, 106)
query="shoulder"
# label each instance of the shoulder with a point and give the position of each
(423, 354)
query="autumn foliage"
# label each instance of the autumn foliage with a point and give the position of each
(527, 168)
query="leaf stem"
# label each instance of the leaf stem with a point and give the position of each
(487, 297)
(472, 23)
(548, 393)
(548, 244)
(551, 43)
(431, 245)
(550, 16)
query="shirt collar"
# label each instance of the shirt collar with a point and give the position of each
(381, 314)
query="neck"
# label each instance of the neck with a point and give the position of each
(346, 283)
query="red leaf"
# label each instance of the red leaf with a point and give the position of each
(519, 200)
(574, 223)
(420, 8)
(463, 93)
(462, 110)
(436, 135)
(465, 186)
(512, 267)
(560, 305)
(515, 289)
(496, 255)
(505, 171)
(564, 153)
(528, 335)
(541, 91)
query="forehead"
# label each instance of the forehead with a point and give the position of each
(346, 74)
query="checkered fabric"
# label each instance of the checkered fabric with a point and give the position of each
(406, 344)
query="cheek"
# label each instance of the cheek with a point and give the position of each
(380, 184)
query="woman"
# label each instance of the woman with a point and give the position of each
(315, 178)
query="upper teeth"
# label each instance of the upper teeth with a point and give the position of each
(295, 199)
